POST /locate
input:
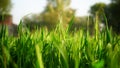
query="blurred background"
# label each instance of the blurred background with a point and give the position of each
(47, 13)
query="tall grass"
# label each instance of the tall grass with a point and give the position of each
(59, 49)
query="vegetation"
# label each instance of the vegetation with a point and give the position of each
(59, 8)
(87, 47)
(5, 6)
(99, 9)
(59, 48)
(111, 11)
(54, 10)
(113, 15)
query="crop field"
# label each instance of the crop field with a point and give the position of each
(59, 48)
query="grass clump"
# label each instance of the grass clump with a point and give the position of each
(59, 49)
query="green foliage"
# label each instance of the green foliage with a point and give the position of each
(98, 7)
(59, 48)
(111, 11)
(54, 10)
(57, 9)
(113, 15)
(99, 10)
(5, 6)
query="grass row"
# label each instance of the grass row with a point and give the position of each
(59, 49)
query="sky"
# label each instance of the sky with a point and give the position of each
(22, 8)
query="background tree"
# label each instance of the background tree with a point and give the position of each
(99, 10)
(113, 15)
(55, 10)
(112, 12)
(5, 6)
